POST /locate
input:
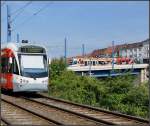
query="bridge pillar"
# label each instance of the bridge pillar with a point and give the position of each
(143, 75)
(82, 74)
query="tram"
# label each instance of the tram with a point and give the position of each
(24, 67)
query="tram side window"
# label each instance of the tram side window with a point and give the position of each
(15, 67)
(93, 63)
(6, 67)
(85, 63)
(3, 63)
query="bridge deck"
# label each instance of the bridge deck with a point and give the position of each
(108, 67)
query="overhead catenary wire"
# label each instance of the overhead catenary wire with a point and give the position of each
(20, 10)
(34, 14)
(24, 6)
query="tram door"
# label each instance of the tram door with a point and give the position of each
(6, 72)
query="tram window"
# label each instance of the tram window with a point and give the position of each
(93, 63)
(99, 62)
(15, 67)
(85, 63)
(6, 67)
(3, 63)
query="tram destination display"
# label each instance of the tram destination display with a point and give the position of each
(32, 49)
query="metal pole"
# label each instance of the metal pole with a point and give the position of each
(112, 55)
(65, 53)
(18, 38)
(8, 24)
(83, 48)
(125, 52)
(120, 54)
(90, 67)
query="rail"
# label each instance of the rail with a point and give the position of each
(101, 115)
(98, 109)
(49, 112)
(74, 113)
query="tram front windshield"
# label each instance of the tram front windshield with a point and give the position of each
(34, 66)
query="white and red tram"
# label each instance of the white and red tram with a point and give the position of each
(24, 67)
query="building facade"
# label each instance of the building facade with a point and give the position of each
(138, 51)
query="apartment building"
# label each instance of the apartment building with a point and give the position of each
(138, 51)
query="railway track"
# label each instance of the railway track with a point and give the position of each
(4, 122)
(13, 114)
(56, 115)
(100, 115)
(68, 113)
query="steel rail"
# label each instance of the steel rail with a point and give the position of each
(5, 121)
(124, 117)
(28, 101)
(69, 111)
(97, 109)
(34, 113)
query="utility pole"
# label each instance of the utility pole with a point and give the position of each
(120, 54)
(8, 24)
(65, 53)
(83, 50)
(18, 38)
(112, 55)
(90, 67)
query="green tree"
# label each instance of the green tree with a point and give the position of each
(57, 66)
(113, 93)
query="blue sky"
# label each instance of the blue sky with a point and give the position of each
(96, 24)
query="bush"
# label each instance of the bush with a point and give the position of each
(116, 94)
(57, 66)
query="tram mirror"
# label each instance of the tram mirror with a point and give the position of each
(10, 60)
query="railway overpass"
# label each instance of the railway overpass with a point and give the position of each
(107, 70)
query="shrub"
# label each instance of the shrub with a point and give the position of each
(113, 93)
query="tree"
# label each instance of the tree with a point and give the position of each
(57, 66)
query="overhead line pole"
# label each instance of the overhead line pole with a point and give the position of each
(112, 55)
(18, 38)
(8, 24)
(83, 50)
(65, 53)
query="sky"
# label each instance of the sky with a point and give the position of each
(94, 24)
